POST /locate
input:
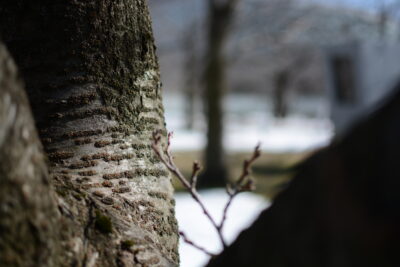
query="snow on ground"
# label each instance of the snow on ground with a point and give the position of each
(248, 120)
(244, 210)
(293, 134)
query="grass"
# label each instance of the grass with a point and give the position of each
(272, 171)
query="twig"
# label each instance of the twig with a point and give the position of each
(244, 183)
(169, 163)
(239, 186)
(190, 242)
(195, 172)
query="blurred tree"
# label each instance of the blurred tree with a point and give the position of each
(191, 70)
(383, 20)
(220, 16)
(279, 100)
(92, 78)
(387, 13)
(257, 48)
(290, 73)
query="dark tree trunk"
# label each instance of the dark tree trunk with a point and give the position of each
(220, 18)
(191, 68)
(281, 83)
(93, 80)
(340, 210)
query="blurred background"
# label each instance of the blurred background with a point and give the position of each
(291, 74)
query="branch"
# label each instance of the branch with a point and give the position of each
(190, 242)
(243, 184)
(169, 163)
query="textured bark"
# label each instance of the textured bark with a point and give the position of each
(29, 232)
(220, 18)
(341, 210)
(93, 80)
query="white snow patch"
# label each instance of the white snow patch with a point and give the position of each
(248, 121)
(244, 210)
(294, 134)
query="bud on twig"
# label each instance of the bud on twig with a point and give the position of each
(195, 172)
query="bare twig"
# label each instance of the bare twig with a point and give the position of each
(195, 173)
(243, 184)
(168, 148)
(169, 163)
(190, 242)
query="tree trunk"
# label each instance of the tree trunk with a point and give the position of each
(280, 94)
(340, 210)
(220, 16)
(93, 81)
(29, 235)
(191, 68)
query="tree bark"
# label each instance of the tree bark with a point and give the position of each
(29, 234)
(93, 80)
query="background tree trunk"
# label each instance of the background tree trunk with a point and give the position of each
(93, 81)
(281, 83)
(220, 18)
(191, 69)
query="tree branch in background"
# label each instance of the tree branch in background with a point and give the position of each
(243, 184)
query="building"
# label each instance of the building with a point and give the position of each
(360, 75)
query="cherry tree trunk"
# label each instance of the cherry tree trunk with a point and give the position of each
(93, 81)
(29, 235)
